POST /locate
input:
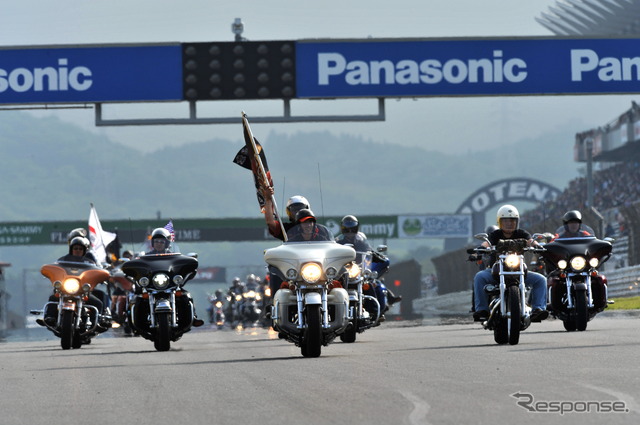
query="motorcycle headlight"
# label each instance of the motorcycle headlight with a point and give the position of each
(562, 264)
(144, 282)
(71, 286)
(86, 287)
(292, 274)
(594, 262)
(57, 284)
(354, 271)
(578, 263)
(250, 294)
(512, 261)
(161, 281)
(177, 279)
(218, 304)
(238, 297)
(267, 292)
(311, 272)
(331, 273)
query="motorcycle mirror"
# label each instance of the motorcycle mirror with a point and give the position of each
(381, 248)
(481, 236)
(193, 254)
(609, 239)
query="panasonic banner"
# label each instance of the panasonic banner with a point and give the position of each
(91, 74)
(467, 67)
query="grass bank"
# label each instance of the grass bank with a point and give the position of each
(629, 303)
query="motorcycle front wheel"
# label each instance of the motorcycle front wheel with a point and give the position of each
(312, 337)
(514, 317)
(162, 341)
(582, 315)
(66, 332)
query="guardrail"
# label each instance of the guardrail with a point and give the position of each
(623, 282)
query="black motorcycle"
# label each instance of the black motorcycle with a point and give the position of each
(161, 310)
(577, 291)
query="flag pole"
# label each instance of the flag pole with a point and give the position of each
(263, 174)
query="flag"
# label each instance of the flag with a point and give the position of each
(252, 157)
(169, 227)
(99, 238)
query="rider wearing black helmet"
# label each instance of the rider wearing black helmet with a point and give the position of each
(307, 229)
(351, 234)
(81, 232)
(572, 226)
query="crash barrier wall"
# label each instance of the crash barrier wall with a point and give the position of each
(624, 282)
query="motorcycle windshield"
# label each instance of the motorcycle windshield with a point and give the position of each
(84, 272)
(563, 249)
(169, 263)
(309, 231)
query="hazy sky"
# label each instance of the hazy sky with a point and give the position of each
(444, 124)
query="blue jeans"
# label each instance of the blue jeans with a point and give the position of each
(536, 281)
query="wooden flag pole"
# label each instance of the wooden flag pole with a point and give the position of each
(263, 173)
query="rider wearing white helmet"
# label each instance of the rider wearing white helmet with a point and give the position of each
(508, 219)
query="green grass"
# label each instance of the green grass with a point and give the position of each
(628, 303)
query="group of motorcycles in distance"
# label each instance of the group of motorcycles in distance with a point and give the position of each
(327, 290)
(243, 305)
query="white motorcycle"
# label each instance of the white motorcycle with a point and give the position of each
(313, 310)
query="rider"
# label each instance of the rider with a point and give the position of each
(306, 228)
(508, 219)
(83, 233)
(78, 249)
(161, 244)
(350, 228)
(572, 226)
(294, 204)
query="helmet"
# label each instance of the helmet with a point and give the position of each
(573, 215)
(295, 204)
(76, 232)
(304, 215)
(490, 229)
(235, 281)
(349, 224)
(79, 240)
(507, 211)
(161, 233)
(251, 278)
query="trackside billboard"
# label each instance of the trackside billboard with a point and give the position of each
(91, 74)
(467, 67)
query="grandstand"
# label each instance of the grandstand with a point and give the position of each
(615, 149)
(592, 18)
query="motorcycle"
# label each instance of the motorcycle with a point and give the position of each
(249, 308)
(77, 322)
(313, 310)
(577, 291)
(360, 285)
(509, 313)
(161, 310)
(216, 310)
